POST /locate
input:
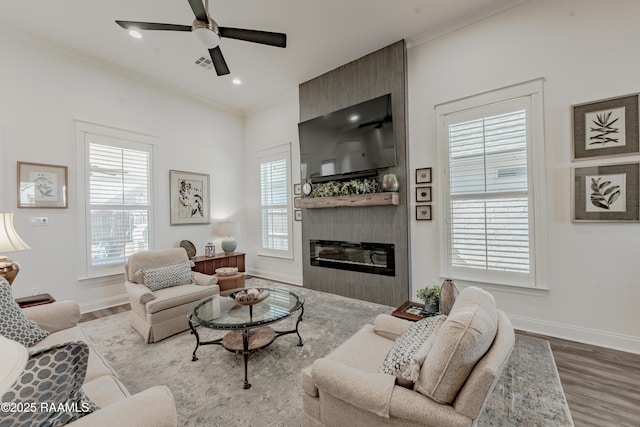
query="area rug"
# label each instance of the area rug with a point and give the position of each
(208, 392)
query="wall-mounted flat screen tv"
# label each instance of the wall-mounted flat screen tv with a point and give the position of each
(348, 142)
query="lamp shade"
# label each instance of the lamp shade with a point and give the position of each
(9, 239)
(225, 228)
(13, 358)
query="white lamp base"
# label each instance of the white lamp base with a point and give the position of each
(229, 245)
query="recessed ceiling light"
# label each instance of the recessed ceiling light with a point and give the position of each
(236, 81)
(354, 118)
(135, 34)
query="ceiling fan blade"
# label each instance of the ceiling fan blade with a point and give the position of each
(152, 26)
(198, 10)
(255, 36)
(218, 61)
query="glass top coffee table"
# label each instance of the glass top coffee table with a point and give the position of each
(247, 323)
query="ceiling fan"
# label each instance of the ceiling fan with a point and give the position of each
(207, 33)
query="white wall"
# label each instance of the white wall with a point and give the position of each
(584, 52)
(270, 126)
(42, 93)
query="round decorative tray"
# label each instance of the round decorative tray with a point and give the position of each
(189, 247)
(226, 271)
(238, 295)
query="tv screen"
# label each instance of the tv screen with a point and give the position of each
(348, 141)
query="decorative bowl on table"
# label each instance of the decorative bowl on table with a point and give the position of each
(249, 296)
(226, 271)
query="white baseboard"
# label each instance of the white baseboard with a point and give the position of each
(100, 304)
(595, 337)
(269, 275)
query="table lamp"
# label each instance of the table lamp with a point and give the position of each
(13, 359)
(9, 242)
(226, 229)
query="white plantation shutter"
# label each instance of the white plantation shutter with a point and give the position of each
(119, 202)
(489, 223)
(275, 216)
(488, 200)
(115, 195)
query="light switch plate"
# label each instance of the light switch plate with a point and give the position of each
(39, 221)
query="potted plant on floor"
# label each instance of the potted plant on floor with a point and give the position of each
(431, 297)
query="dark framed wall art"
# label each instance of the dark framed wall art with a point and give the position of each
(606, 128)
(606, 193)
(423, 194)
(423, 176)
(423, 213)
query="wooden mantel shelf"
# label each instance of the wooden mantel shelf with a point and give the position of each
(374, 199)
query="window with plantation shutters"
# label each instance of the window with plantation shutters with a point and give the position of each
(491, 146)
(275, 212)
(117, 200)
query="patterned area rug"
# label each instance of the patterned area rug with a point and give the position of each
(209, 391)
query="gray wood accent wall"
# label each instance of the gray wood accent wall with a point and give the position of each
(374, 75)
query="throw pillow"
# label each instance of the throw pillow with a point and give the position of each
(50, 387)
(401, 355)
(15, 325)
(464, 337)
(166, 277)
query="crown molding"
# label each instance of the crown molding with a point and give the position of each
(458, 24)
(16, 33)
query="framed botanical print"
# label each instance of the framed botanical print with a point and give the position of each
(189, 195)
(606, 193)
(42, 186)
(606, 128)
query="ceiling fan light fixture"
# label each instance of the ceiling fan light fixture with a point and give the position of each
(205, 36)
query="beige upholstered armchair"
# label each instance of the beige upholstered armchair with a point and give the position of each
(162, 290)
(455, 370)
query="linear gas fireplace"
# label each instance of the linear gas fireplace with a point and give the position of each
(375, 258)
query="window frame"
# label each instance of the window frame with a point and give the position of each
(281, 152)
(532, 92)
(126, 139)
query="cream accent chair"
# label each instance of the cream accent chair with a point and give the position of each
(458, 375)
(162, 313)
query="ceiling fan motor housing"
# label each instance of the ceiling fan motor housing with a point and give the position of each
(206, 33)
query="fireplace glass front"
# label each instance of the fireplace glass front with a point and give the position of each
(374, 258)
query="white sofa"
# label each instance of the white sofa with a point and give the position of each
(154, 406)
(464, 360)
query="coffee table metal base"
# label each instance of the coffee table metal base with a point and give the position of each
(246, 340)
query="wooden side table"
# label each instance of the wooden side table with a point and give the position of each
(208, 264)
(413, 311)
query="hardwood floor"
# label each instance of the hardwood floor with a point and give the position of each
(602, 385)
(85, 317)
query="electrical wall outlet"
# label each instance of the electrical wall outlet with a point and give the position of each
(39, 221)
